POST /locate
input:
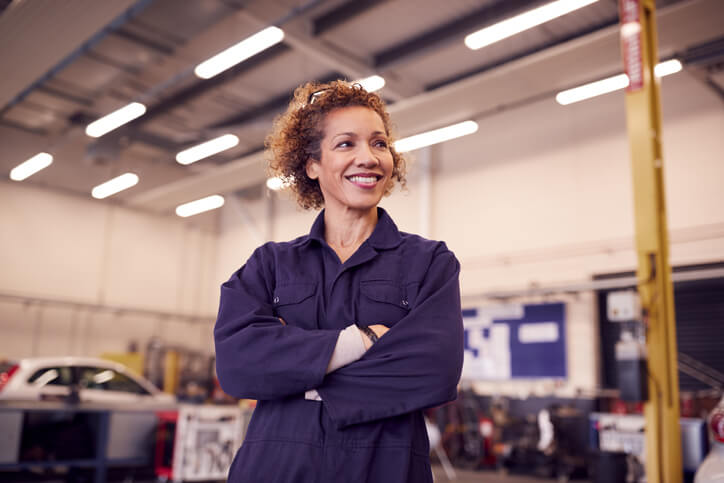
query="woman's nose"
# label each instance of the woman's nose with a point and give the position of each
(366, 157)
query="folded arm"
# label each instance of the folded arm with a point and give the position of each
(258, 356)
(415, 365)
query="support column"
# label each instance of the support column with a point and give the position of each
(643, 115)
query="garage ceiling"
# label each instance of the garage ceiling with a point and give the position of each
(72, 62)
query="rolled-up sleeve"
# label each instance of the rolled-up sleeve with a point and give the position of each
(257, 356)
(416, 364)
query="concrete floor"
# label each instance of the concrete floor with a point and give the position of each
(464, 476)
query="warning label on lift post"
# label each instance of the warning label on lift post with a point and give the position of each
(631, 44)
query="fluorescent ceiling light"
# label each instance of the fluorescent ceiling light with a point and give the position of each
(239, 52)
(115, 119)
(524, 21)
(115, 185)
(372, 83)
(31, 166)
(667, 68)
(610, 84)
(275, 183)
(436, 136)
(586, 91)
(199, 206)
(209, 148)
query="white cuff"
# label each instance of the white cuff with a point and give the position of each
(349, 348)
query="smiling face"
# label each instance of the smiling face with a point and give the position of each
(356, 163)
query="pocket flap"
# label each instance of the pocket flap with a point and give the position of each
(383, 291)
(293, 293)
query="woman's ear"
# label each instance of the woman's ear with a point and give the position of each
(312, 168)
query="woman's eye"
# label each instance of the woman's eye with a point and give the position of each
(381, 144)
(344, 144)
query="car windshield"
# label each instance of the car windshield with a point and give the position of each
(53, 376)
(104, 379)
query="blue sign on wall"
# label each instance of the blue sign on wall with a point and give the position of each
(515, 342)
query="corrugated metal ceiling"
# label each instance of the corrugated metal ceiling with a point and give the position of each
(149, 51)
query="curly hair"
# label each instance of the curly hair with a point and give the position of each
(296, 135)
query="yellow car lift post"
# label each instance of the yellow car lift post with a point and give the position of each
(643, 116)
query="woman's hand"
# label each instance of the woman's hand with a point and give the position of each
(379, 331)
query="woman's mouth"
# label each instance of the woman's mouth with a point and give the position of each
(364, 180)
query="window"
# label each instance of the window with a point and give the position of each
(52, 376)
(108, 380)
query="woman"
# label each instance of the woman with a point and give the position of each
(343, 335)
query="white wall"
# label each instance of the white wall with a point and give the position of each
(542, 194)
(60, 248)
(549, 196)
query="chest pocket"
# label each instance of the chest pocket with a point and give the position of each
(296, 304)
(382, 302)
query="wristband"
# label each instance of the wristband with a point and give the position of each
(369, 333)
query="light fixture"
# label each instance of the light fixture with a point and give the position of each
(593, 89)
(275, 183)
(372, 83)
(115, 185)
(31, 166)
(199, 206)
(436, 136)
(667, 68)
(237, 53)
(115, 119)
(610, 84)
(524, 21)
(206, 149)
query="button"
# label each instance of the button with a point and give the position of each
(404, 302)
(276, 300)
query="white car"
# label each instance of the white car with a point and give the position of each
(712, 469)
(94, 380)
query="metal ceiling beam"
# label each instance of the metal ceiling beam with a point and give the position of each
(22, 127)
(266, 109)
(247, 171)
(65, 96)
(202, 86)
(341, 14)
(190, 93)
(296, 35)
(456, 30)
(542, 73)
(706, 54)
(49, 47)
(525, 53)
(709, 58)
(144, 42)
(271, 106)
(453, 31)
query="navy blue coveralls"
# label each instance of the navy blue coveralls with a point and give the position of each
(369, 425)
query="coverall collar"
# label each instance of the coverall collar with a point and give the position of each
(384, 237)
